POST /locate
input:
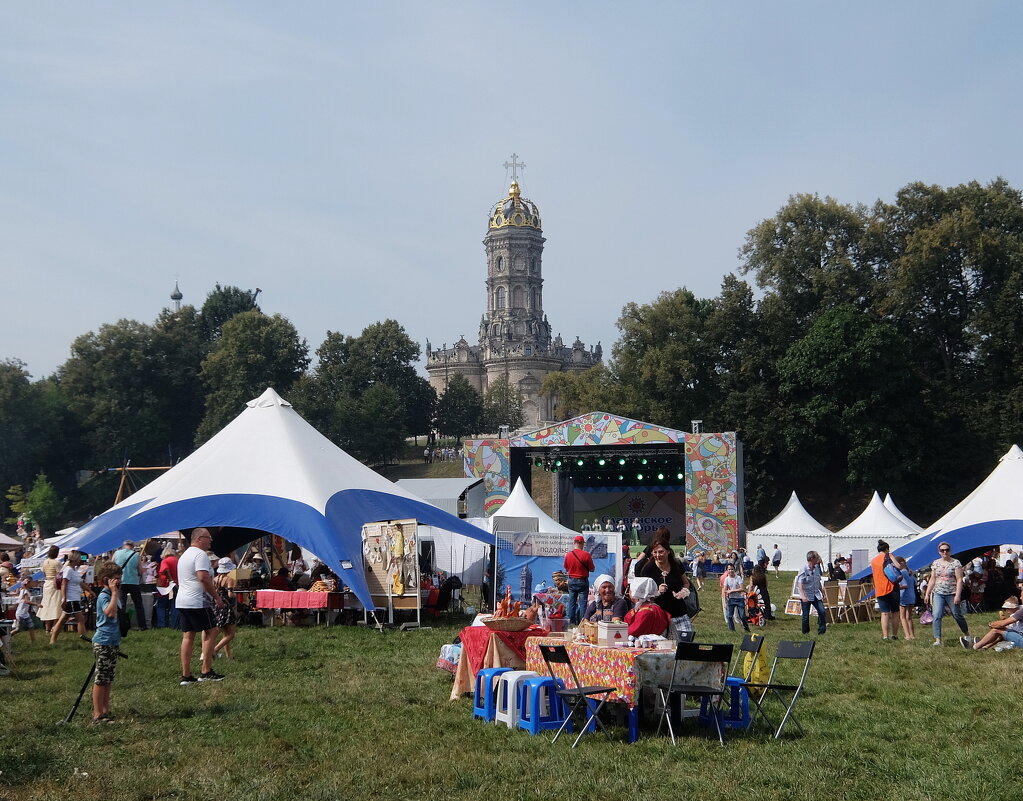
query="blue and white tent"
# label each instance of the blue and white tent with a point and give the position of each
(988, 517)
(269, 471)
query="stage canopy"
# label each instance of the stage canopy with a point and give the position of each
(988, 517)
(269, 471)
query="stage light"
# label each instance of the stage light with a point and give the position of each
(601, 461)
(579, 462)
(621, 477)
(639, 476)
(538, 462)
(642, 461)
(621, 461)
(680, 476)
(660, 476)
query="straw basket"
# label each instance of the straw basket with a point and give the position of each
(507, 623)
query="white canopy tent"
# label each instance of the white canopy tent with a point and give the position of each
(889, 504)
(794, 531)
(520, 504)
(269, 471)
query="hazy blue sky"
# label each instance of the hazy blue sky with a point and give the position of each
(343, 156)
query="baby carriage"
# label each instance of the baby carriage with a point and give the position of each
(756, 611)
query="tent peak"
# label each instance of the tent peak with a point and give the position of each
(1014, 453)
(267, 399)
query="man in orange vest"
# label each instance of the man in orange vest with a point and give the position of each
(886, 590)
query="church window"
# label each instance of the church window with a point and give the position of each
(534, 299)
(518, 298)
(501, 297)
(532, 266)
(500, 263)
(528, 350)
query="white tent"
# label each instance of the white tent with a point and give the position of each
(874, 523)
(794, 531)
(521, 505)
(989, 516)
(269, 471)
(889, 504)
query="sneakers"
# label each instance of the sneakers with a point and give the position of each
(937, 643)
(967, 641)
(211, 675)
(187, 681)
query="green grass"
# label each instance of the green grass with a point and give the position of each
(349, 713)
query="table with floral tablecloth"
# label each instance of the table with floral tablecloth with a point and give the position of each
(629, 670)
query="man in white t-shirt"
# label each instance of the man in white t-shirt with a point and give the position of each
(196, 596)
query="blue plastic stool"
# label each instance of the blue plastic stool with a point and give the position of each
(532, 694)
(737, 715)
(484, 701)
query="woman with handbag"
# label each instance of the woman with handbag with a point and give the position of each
(673, 586)
(945, 589)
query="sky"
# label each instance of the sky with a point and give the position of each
(343, 157)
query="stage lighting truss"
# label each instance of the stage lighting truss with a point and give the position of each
(661, 466)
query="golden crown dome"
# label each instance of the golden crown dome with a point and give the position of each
(515, 211)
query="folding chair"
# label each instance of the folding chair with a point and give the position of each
(736, 699)
(832, 604)
(792, 651)
(592, 698)
(695, 652)
(859, 596)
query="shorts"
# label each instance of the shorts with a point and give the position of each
(25, 623)
(1014, 637)
(775, 564)
(196, 619)
(889, 603)
(106, 663)
(72, 607)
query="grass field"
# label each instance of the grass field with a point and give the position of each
(350, 713)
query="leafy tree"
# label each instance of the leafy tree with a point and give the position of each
(376, 429)
(32, 421)
(502, 406)
(45, 505)
(459, 409)
(852, 401)
(221, 304)
(586, 391)
(111, 385)
(661, 359)
(254, 352)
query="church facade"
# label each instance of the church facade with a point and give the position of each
(515, 336)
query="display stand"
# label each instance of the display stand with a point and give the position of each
(390, 555)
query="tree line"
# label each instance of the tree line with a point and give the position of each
(149, 394)
(857, 348)
(872, 348)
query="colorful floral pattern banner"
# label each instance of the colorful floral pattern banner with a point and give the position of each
(598, 428)
(713, 491)
(488, 459)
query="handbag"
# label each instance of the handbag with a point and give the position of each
(692, 602)
(927, 616)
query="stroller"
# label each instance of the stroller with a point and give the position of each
(756, 611)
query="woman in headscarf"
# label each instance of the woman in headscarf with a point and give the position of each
(646, 617)
(606, 606)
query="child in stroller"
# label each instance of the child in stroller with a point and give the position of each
(756, 610)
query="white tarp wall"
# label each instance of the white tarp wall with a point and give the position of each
(457, 555)
(794, 547)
